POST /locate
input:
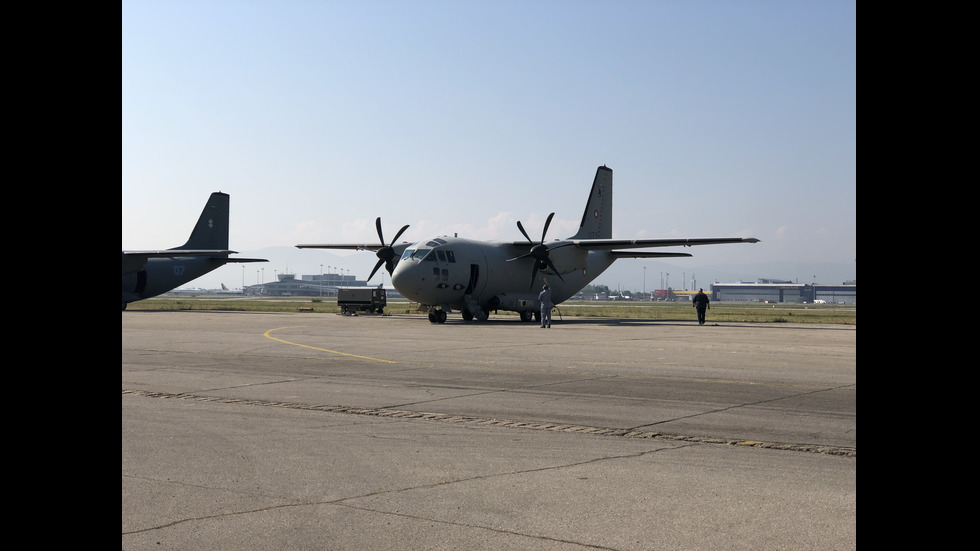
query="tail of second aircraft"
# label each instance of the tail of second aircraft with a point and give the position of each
(597, 219)
(211, 231)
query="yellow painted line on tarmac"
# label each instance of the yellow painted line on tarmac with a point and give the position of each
(268, 335)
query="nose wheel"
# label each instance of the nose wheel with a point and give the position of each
(437, 315)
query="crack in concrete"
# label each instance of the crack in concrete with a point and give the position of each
(551, 426)
(341, 502)
(739, 406)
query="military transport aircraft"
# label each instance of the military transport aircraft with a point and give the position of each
(147, 274)
(475, 277)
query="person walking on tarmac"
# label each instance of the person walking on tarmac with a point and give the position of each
(701, 303)
(546, 305)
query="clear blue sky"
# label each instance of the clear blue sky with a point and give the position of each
(718, 119)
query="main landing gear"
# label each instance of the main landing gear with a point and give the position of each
(438, 315)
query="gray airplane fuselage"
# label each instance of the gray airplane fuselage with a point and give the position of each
(450, 271)
(160, 275)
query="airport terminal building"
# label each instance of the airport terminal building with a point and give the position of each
(286, 285)
(769, 290)
(322, 285)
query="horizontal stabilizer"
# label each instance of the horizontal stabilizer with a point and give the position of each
(168, 253)
(245, 260)
(134, 261)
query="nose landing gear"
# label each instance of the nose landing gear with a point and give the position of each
(437, 315)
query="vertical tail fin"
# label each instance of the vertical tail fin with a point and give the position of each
(211, 231)
(597, 219)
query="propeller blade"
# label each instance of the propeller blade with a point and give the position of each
(377, 224)
(520, 227)
(546, 224)
(553, 269)
(397, 235)
(376, 266)
(386, 254)
(539, 251)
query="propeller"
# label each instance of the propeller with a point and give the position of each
(386, 254)
(539, 252)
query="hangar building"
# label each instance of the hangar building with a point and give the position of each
(769, 290)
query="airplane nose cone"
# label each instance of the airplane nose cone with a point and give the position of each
(396, 276)
(409, 279)
(400, 278)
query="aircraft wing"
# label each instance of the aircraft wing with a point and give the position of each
(347, 246)
(388, 255)
(398, 248)
(609, 244)
(645, 254)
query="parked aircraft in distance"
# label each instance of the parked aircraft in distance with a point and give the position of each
(150, 273)
(477, 277)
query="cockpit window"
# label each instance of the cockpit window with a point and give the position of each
(417, 253)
